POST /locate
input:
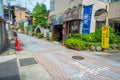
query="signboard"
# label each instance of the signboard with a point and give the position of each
(87, 19)
(105, 37)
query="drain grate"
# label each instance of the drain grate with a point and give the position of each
(78, 57)
(27, 61)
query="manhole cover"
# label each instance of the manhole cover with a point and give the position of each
(78, 57)
(27, 61)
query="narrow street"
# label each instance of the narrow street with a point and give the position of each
(67, 64)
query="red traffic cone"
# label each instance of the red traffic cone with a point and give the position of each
(16, 42)
(18, 48)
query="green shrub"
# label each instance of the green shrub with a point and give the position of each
(117, 39)
(74, 42)
(33, 33)
(98, 35)
(87, 44)
(75, 36)
(92, 39)
(88, 37)
(40, 35)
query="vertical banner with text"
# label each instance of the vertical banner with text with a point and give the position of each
(105, 36)
(87, 19)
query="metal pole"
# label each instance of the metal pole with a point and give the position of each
(9, 8)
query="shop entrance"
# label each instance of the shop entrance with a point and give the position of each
(117, 28)
(58, 30)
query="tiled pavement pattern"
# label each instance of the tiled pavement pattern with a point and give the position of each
(58, 62)
(61, 66)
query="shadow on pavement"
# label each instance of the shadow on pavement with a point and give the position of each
(5, 48)
(9, 69)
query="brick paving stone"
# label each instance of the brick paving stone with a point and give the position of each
(60, 63)
(53, 70)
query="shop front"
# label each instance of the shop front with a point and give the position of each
(72, 21)
(58, 27)
(115, 23)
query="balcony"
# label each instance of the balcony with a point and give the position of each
(114, 11)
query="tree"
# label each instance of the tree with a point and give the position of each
(40, 15)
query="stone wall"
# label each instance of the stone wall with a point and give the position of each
(3, 34)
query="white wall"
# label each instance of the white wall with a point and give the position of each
(97, 5)
(63, 5)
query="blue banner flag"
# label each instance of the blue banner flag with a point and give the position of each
(87, 19)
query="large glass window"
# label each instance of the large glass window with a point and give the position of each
(74, 27)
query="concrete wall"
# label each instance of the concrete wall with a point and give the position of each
(3, 34)
(97, 4)
(114, 10)
(63, 5)
(1, 9)
(20, 14)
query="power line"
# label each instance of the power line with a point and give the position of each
(31, 3)
(26, 4)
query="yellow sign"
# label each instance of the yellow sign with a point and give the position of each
(105, 37)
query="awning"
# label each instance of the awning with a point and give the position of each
(69, 16)
(115, 19)
(73, 14)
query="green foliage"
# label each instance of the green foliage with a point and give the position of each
(33, 33)
(98, 35)
(74, 42)
(40, 15)
(92, 39)
(20, 26)
(117, 39)
(88, 44)
(40, 35)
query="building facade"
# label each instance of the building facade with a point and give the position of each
(17, 14)
(114, 15)
(1, 9)
(3, 31)
(75, 16)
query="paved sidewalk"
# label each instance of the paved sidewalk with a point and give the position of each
(30, 69)
(8, 63)
(59, 61)
(8, 68)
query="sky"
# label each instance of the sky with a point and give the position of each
(29, 4)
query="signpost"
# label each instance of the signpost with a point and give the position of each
(105, 37)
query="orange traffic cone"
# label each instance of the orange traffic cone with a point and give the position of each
(18, 48)
(16, 42)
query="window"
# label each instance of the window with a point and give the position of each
(117, 28)
(52, 5)
(106, 0)
(99, 24)
(74, 27)
(114, 0)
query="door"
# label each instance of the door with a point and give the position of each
(117, 28)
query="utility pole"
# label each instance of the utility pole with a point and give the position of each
(9, 9)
